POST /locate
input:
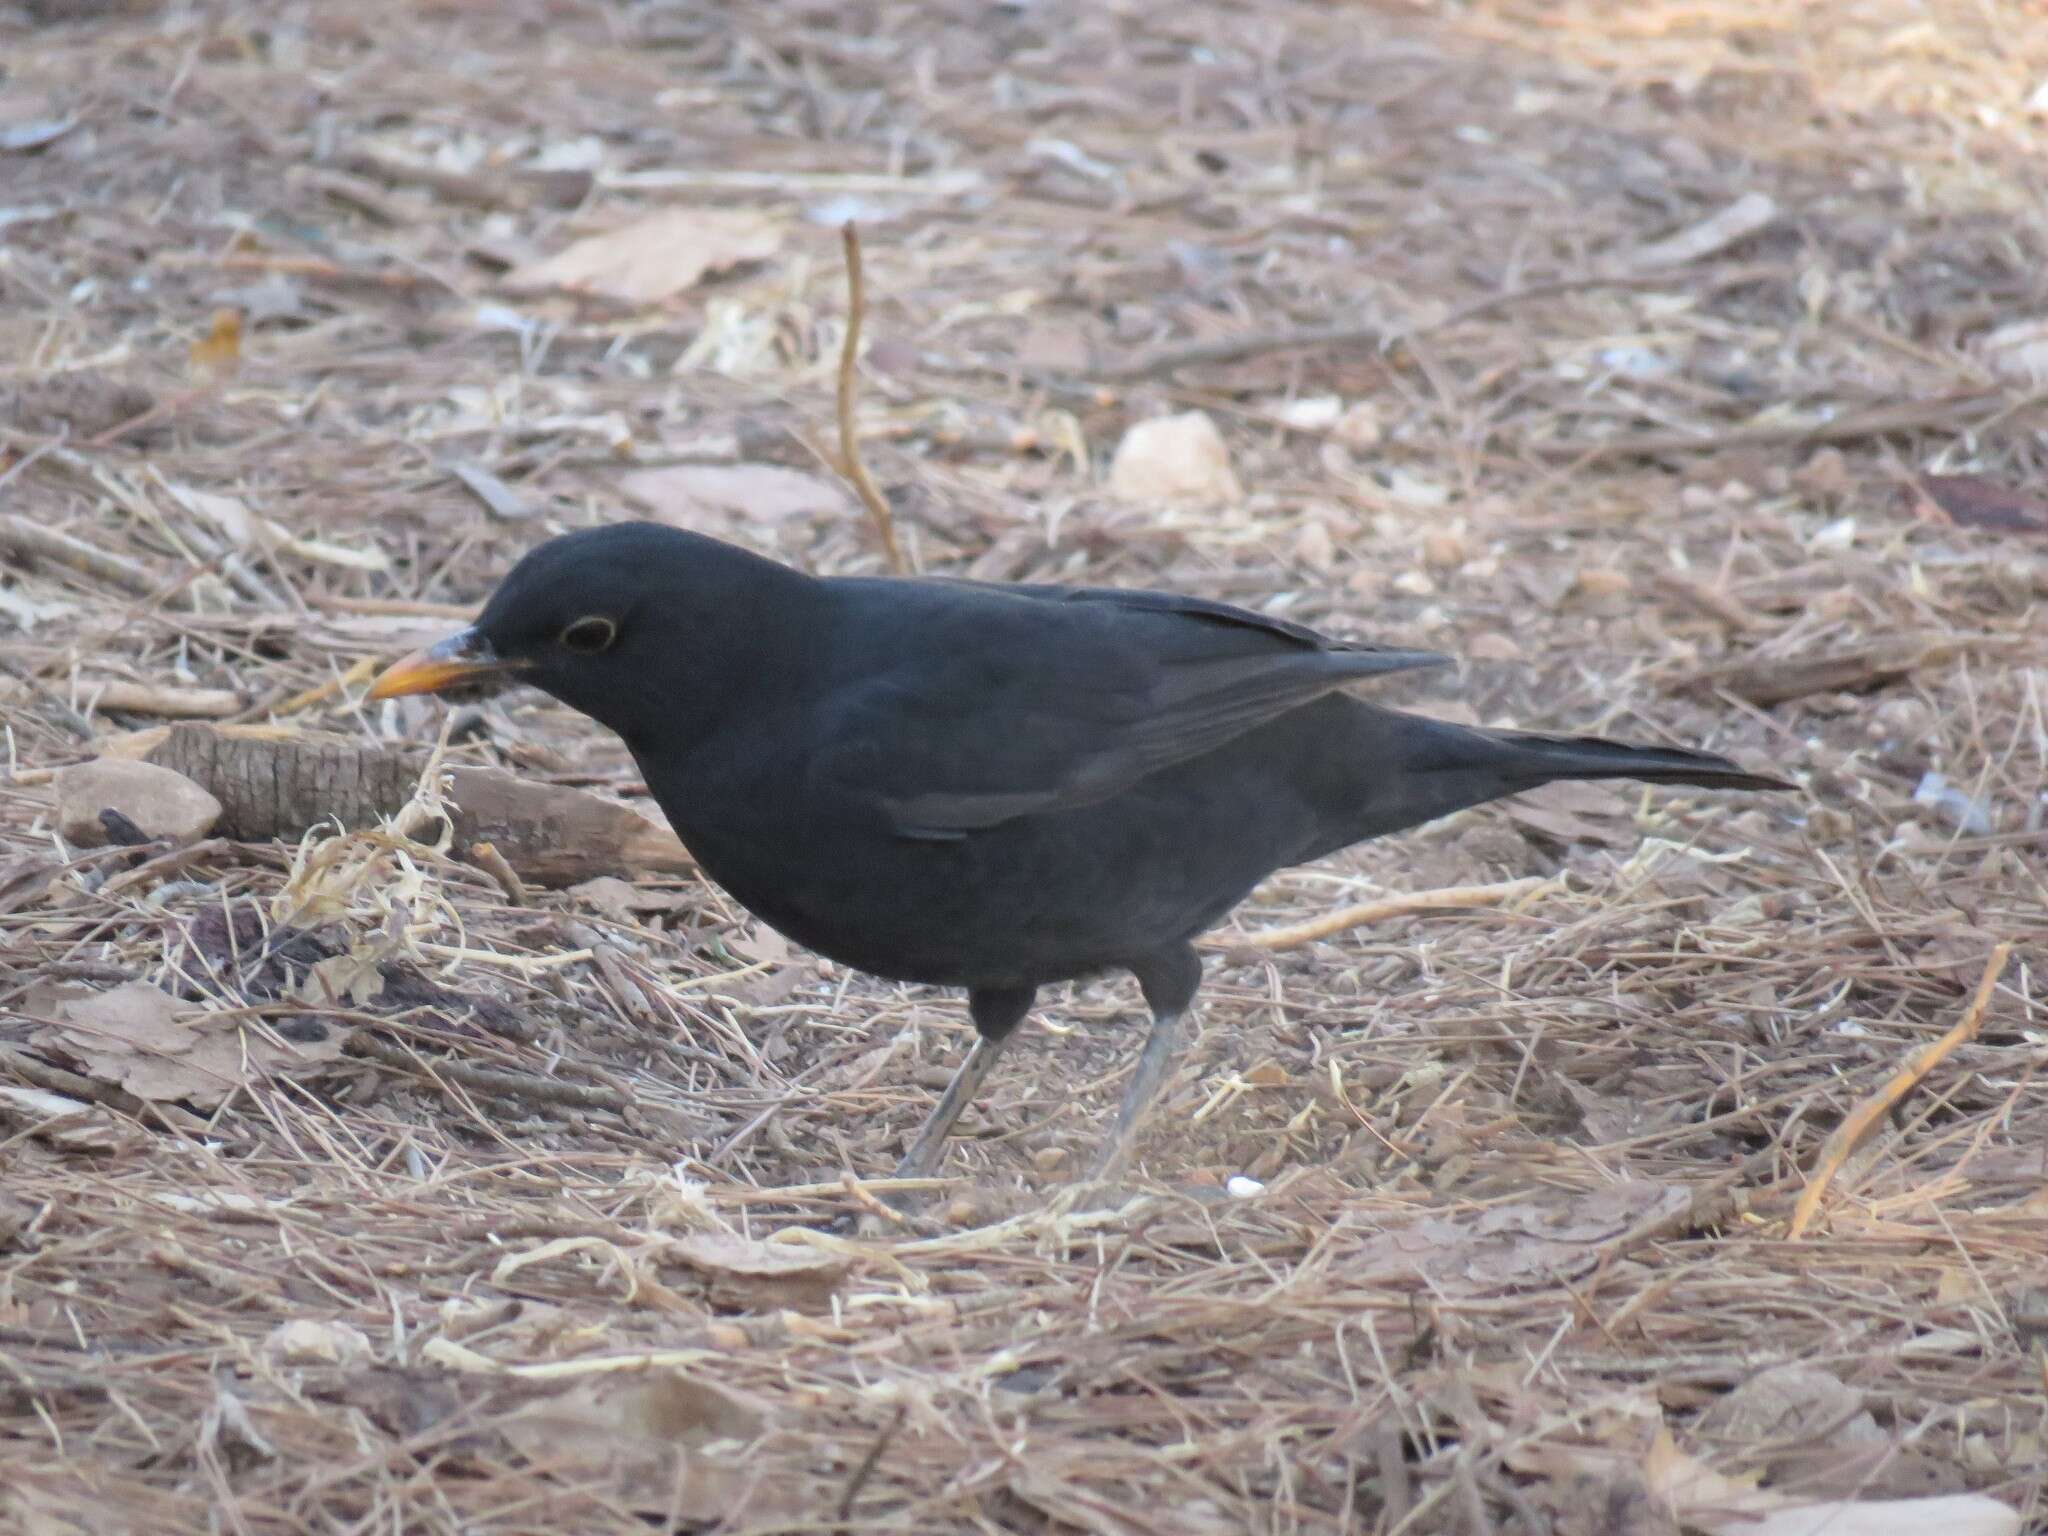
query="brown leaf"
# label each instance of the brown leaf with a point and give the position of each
(498, 498)
(70, 1125)
(145, 1041)
(620, 900)
(654, 258)
(1506, 1246)
(748, 1275)
(23, 881)
(1973, 501)
(1706, 1500)
(705, 496)
(666, 1442)
(1567, 812)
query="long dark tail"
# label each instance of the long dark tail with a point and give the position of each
(1525, 759)
(1414, 769)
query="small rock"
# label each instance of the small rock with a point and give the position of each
(1824, 474)
(1313, 413)
(1243, 1188)
(1175, 458)
(308, 1341)
(1493, 646)
(1359, 427)
(1444, 550)
(2018, 351)
(1603, 581)
(161, 803)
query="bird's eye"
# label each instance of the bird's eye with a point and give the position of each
(586, 637)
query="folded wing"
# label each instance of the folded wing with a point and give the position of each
(1035, 699)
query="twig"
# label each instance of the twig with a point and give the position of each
(60, 711)
(19, 536)
(1450, 897)
(156, 870)
(313, 268)
(166, 702)
(868, 1202)
(31, 1068)
(492, 1080)
(849, 442)
(493, 863)
(1879, 421)
(21, 464)
(1838, 1148)
(868, 1463)
(161, 410)
(1235, 349)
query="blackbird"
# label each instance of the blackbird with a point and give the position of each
(988, 786)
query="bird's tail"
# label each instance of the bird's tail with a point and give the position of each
(1402, 770)
(1525, 759)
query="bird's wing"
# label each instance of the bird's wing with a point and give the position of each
(1018, 708)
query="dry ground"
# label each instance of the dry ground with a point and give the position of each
(490, 1251)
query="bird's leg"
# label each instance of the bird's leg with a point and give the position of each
(1169, 979)
(996, 1012)
(1145, 1081)
(923, 1157)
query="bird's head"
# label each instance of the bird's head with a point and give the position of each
(639, 626)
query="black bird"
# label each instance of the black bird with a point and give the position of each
(990, 787)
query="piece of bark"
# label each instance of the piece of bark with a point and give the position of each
(276, 783)
(1768, 680)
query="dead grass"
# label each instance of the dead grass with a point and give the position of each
(530, 1250)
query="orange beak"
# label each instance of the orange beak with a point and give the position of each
(464, 657)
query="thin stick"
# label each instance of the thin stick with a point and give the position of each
(868, 1463)
(849, 443)
(529, 1086)
(19, 536)
(493, 863)
(1236, 349)
(1452, 896)
(1947, 413)
(1838, 1148)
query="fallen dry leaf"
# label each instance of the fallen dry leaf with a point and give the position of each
(1574, 813)
(654, 258)
(621, 900)
(704, 496)
(317, 1341)
(1747, 215)
(234, 521)
(70, 1125)
(140, 1039)
(666, 1442)
(2018, 351)
(1511, 1245)
(746, 1274)
(1707, 1501)
(1973, 501)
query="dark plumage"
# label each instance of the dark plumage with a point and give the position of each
(990, 787)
